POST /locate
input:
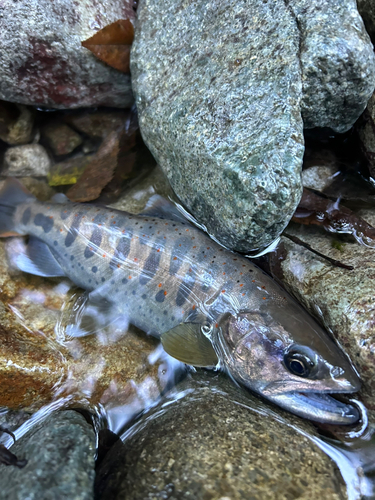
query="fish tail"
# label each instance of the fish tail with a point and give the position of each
(12, 194)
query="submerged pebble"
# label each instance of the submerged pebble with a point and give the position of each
(211, 440)
(60, 454)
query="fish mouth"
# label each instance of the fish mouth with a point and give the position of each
(319, 407)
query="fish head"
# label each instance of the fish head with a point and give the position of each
(284, 355)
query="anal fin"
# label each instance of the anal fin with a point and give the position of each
(37, 258)
(187, 343)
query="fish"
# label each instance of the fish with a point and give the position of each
(210, 307)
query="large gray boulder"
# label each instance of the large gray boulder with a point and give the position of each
(41, 58)
(337, 60)
(218, 90)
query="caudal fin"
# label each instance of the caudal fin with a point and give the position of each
(13, 193)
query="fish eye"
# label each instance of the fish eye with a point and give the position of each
(299, 363)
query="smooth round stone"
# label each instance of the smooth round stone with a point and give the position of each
(217, 442)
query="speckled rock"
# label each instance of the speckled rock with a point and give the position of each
(39, 364)
(26, 160)
(337, 60)
(16, 123)
(344, 301)
(60, 138)
(217, 442)
(222, 82)
(61, 458)
(43, 62)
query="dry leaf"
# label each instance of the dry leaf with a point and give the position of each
(112, 44)
(99, 172)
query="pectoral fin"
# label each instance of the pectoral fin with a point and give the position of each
(188, 344)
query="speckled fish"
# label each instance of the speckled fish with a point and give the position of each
(208, 305)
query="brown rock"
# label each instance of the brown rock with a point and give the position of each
(61, 138)
(97, 125)
(69, 171)
(16, 123)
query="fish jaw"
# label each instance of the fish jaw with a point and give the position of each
(318, 407)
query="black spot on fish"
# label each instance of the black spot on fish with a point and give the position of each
(124, 280)
(122, 250)
(160, 296)
(185, 288)
(46, 223)
(73, 230)
(96, 237)
(103, 280)
(55, 243)
(26, 216)
(144, 296)
(133, 292)
(151, 265)
(72, 257)
(179, 250)
(94, 269)
(165, 313)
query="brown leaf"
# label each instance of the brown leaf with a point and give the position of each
(120, 32)
(112, 44)
(317, 210)
(99, 172)
(116, 56)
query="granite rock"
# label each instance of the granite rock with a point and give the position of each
(337, 60)
(218, 89)
(60, 452)
(43, 62)
(26, 160)
(211, 440)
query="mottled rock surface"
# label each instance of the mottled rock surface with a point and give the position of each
(43, 62)
(343, 300)
(26, 160)
(218, 442)
(337, 60)
(218, 88)
(60, 452)
(60, 138)
(16, 123)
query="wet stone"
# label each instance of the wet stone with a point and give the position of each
(60, 452)
(223, 82)
(337, 60)
(99, 124)
(367, 10)
(26, 160)
(60, 138)
(215, 442)
(16, 123)
(343, 300)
